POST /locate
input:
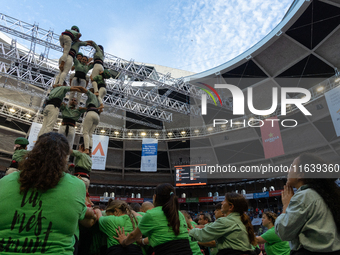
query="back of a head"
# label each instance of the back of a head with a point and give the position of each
(124, 207)
(101, 47)
(165, 197)
(218, 206)
(45, 164)
(146, 206)
(325, 187)
(186, 214)
(135, 207)
(241, 206)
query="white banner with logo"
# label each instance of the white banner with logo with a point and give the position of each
(149, 155)
(33, 136)
(333, 102)
(218, 198)
(99, 151)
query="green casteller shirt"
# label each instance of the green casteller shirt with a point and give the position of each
(158, 230)
(99, 53)
(91, 99)
(308, 223)
(142, 213)
(229, 233)
(59, 92)
(33, 222)
(193, 223)
(82, 160)
(75, 33)
(79, 67)
(99, 79)
(76, 45)
(274, 244)
(109, 224)
(70, 113)
(18, 155)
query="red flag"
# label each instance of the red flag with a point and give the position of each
(271, 138)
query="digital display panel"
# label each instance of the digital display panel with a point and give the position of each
(189, 175)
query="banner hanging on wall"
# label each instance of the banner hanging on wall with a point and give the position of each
(149, 155)
(99, 151)
(333, 102)
(271, 138)
(33, 136)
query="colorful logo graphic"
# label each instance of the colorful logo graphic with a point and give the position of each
(209, 93)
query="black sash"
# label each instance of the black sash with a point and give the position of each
(176, 247)
(69, 34)
(55, 101)
(80, 75)
(103, 85)
(131, 249)
(98, 61)
(72, 53)
(68, 122)
(303, 251)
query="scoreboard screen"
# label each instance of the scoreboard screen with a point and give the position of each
(189, 175)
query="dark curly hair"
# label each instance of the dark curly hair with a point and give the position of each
(45, 164)
(326, 188)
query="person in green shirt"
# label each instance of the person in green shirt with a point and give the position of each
(98, 58)
(43, 204)
(234, 233)
(118, 215)
(164, 225)
(66, 67)
(79, 79)
(100, 83)
(51, 110)
(146, 206)
(70, 115)
(310, 218)
(273, 244)
(20, 150)
(66, 39)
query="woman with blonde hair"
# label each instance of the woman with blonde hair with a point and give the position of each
(118, 215)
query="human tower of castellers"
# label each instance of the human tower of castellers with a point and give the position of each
(45, 209)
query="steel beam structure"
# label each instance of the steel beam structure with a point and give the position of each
(139, 72)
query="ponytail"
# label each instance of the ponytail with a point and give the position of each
(133, 219)
(241, 206)
(251, 235)
(170, 210)
(166, 198)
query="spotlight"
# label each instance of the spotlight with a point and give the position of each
(116, 133)
(143, 134)
(130, 133)
(12, 110)
(319, 89)
(28, 115)
(102, 131)
(210, 129)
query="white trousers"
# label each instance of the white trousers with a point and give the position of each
(70, 136)
(50, 117)
(61, 76)
(74, 82)
(66, 43)
(89, 125)
(95, 71)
